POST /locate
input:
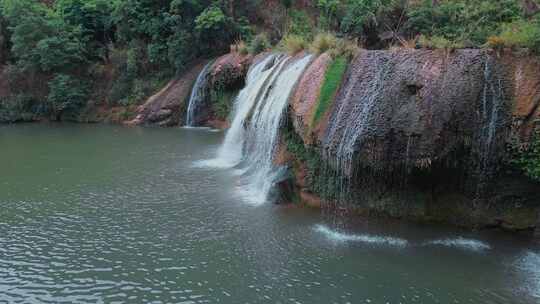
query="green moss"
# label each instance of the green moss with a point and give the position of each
(320, 179)
(332, 80)
(222, 101)
(528, 159)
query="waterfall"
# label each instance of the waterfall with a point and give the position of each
(251, 142)
(198, 94)
(493, 119)
(258, 80)
(347, 129)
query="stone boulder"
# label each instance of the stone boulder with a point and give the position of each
(424, 134)
(167, 107)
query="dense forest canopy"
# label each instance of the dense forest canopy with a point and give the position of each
(62, 49)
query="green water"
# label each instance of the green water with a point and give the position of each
(103, 214)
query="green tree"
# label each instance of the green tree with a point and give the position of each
(66, 94)
(41, 39)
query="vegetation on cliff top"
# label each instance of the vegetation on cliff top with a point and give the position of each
(121, 51)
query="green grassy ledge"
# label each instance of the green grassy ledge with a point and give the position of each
(332, 80)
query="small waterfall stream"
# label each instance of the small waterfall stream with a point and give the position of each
(252, 140)
(198, 94)
(345, 136)
(493, 118)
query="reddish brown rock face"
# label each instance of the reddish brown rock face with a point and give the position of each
(305, 98)
(167, 107)
(525, 76)
(410, 105)
(230, 70)
(434, 125)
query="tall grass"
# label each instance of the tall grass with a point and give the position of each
(332, 80)
(294, 44)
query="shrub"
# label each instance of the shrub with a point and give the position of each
(222, 102)
(66, 94)
(345, 48)
(294, 44)
(439, 42)
(19, 107)
(240, 47)
(528, 159)
(522, 34)
(496, 42)
(259, 44)
(332, 81)
(324, 42)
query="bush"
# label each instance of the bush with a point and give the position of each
(439, 42)
(323, 42)
(240, 47)
(496, 42)
(519, 34)
(332, 80)
(259, 44)
(66, 94)
(528, 159)
(222, 102)
(294, 44)
(345, 48)
(336, 47)
(19, 107)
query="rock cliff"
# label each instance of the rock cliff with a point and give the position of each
(424, 134)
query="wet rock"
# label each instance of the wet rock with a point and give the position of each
(408, 107)
(229, 71)
(168, 106)
(422, 134)
(306, 95)
(226, 77)
(524, 72)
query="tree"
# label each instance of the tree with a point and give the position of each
(66, 94)
(40, 38)
(94, 17)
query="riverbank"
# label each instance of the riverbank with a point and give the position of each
(421, 135)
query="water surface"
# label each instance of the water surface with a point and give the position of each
(104, 214)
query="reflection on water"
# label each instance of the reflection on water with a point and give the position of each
(101, 214)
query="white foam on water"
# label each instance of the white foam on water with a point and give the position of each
(461, 243)
(529, 265)
(363, 238)
(196, 128)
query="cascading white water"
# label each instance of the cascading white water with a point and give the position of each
(197, 95)
(258, 80)
(262, 133)
(251, 142)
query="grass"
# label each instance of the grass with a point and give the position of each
(259, 44)
(332, 80)
(439, 42)
(294, 44)
(323, 42)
